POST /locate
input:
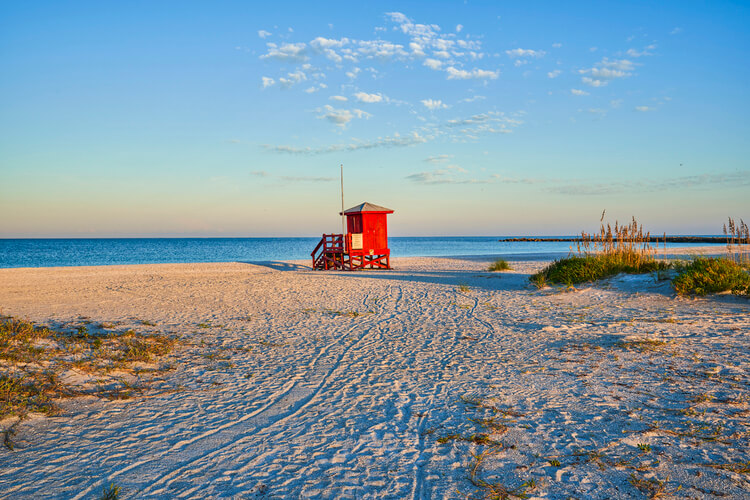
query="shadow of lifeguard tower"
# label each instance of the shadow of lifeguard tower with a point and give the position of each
(365, 245)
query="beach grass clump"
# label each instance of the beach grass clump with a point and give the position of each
(33, 358)
(622, 249)
(573, 270)
(24, 393)
(706, 275)
(499, 265)
(111, 492)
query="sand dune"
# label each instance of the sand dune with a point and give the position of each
(291, 383)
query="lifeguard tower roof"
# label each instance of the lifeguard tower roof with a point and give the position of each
(367, 207)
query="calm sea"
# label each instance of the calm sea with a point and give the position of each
(100, 252)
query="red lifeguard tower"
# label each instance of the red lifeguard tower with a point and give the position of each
(365, 244)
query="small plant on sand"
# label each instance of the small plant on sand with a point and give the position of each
(499, 265)
(21, 393)
(652, 487)
(707, 275)
(496, 490)
(111, 492)
(642, 345)
(622, 249)
(539, 280)
(464, 288)
(645, 448)
(738, 468)
(33, 357)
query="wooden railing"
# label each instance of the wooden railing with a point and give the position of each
(329, 253)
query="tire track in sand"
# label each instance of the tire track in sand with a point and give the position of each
(174, 475)
(275, 398)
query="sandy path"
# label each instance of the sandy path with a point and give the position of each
(294, 383)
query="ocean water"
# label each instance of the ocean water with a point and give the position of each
(100, 252)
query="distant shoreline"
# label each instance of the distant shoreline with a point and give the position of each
(653, 239)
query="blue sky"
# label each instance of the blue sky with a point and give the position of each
(466, 118)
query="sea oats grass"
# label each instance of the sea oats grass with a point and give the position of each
(611, 251)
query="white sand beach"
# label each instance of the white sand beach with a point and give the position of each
(437, 379)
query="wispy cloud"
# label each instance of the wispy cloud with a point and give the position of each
(291, 178)
(264, 33)
(353, 73)
(644, 109)
(488, 117)
(502, 179)
(439, 51)
(461, 74)
(453, 174)
(473, 98)
(321, 43)
(593, 82)
(578, 92)
(294, 52)
(737, 179)
(438, 159)
(341, 117)
(356, 145)
(433, 63)
(450, 174)
(305, 178)
(316, 88)
(646, 51)
(368, 98)
(607, 70)
(292, 79)
(433, 104)
(455, 130)
(520, 53)
(554, 73)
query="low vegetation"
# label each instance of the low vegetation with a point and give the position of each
(706, 275)
(626, 249)
(112, 492)
(622, 249)
(712, 275)
(574, 270)
(39, 363)
(499, 265)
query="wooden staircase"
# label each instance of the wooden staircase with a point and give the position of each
(331, 253)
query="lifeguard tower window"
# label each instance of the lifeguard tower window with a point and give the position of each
(355, 224)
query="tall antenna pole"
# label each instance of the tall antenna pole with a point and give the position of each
(343, 230)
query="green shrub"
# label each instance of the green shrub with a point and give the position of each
(573, 270)
(712, 275)
(622, 249)
(499, 265)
